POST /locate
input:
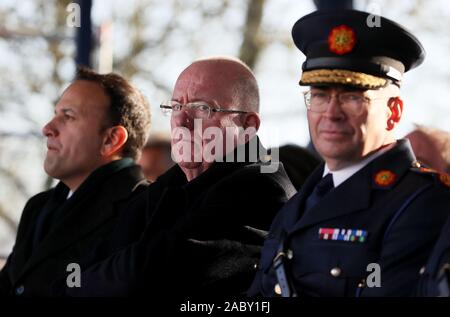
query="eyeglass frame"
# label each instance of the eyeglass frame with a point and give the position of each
(212, 109)
(366, 100)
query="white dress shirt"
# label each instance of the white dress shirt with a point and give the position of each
(341, 175)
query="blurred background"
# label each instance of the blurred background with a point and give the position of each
(151, 41)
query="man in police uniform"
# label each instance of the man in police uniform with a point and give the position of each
(364, 222)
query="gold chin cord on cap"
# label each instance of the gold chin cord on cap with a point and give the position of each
(342, 77)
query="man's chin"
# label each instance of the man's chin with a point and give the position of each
(189, 165)
(52, 173)
(52, 168)
(48, 166)
(337, 153)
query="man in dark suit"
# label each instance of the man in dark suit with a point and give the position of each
(208, 215)
(99, 126)
(435, 275)
(364, 222)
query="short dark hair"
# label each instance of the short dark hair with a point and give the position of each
(128, 108)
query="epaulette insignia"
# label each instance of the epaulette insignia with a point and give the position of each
(441, 178)
(444, 179)
(417, 167)
(427, 170)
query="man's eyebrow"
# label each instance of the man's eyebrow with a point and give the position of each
(197, 100)
(354, 89)
(66, 110)
(321, 87)
(343, 89)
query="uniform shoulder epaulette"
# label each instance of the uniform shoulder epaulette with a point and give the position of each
(441, 178)
(444, 178)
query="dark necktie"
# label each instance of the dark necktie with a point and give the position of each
(322, 188)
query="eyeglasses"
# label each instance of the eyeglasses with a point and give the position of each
(200, 109)
(352, 102)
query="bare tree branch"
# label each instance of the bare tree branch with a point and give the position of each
(15, 180)
(21, 135)
(252, 44)
(10, 222)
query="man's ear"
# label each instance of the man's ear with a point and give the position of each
(114, 139)
(252, 120)
(395, 105)
(250, 123)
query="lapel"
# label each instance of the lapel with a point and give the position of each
(165, 198)
(355, 193)
(92, 207)
(25, 234)
(350, 196)
(173, 197)
(293, 209)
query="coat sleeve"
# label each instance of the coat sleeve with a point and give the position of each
(432, 282)
(33, 204)
(124, 273)
(407, 243)
(5, 283)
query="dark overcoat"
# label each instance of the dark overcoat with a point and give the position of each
(203, 237)
(54, 231)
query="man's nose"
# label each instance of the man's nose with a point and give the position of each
(183, 119)
(334, 110)
(50, 129)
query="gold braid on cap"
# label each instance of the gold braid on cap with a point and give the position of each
(342, 77)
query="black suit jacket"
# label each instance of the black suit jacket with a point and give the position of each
(81, 224)
(402, 209)
(203, 237)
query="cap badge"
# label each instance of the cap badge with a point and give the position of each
(342, 39)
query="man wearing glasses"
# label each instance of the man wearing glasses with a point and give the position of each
(208, 215)
(365, 222)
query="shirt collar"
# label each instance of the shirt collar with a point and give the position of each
(341, 175)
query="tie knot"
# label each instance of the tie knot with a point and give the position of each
(325, 184)
(320, 190)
